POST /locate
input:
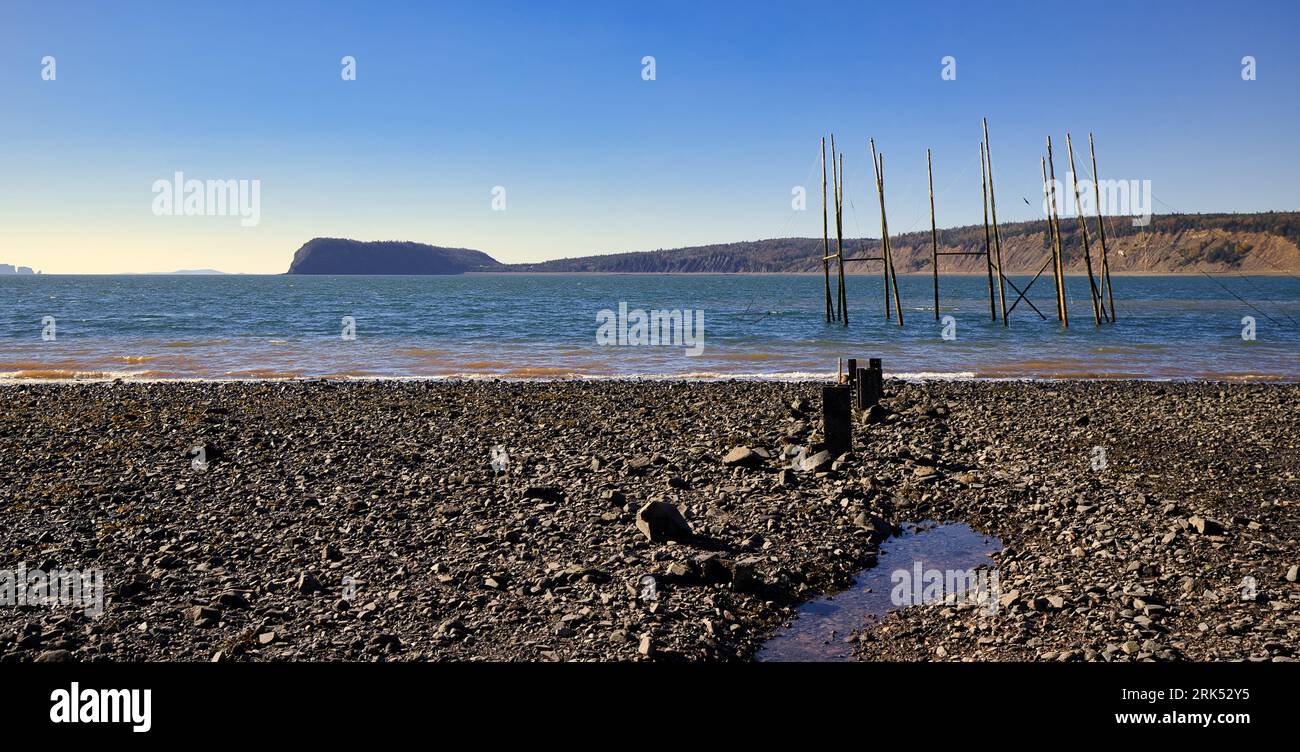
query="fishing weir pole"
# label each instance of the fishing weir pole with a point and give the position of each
(1099, 282)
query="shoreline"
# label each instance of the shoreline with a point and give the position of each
(847, 273)
(363, 520)
(791, 378)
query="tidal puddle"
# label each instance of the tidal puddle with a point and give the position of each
(819, 630)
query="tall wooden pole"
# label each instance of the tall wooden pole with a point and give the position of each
(997, 234)
(884, 230)
(1101, 231)
(934, 237)
(889, 254)
(1083, 226)
(988, 250)
(1051, 238)
(839, 241)
(826, 237)
(1060, 242)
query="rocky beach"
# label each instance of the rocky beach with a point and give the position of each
(664, 520)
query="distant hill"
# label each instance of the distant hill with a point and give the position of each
(341, 256)
(1264, 243)
(1259, 243)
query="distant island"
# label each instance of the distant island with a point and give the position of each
(11, 269)
(1257, 243)
(342, 256)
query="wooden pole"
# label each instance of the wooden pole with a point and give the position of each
(988, 249)
(1047, 203)
(1060, 242)
(826, 237)
(889, 253)
(997, 234)
(835, 196)
(839, 241)
(1101, 231)
(840, 313)
(934, 237)
(1083, 226)
(884, 231)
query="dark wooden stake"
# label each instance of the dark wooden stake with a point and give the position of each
(875, 382)
(837, 419)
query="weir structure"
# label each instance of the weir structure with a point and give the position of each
(1100, 288)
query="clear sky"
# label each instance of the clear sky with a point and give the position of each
(548, 101)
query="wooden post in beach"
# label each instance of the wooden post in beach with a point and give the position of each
(1060, 242)
(934, 237)
(1083, 227)
(875, 381)
(988, 246)
(861, 390)
(852, 371)
(1101, 231)
(826, 237)
(837, 419)
(997, 235)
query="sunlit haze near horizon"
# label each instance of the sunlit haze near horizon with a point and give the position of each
(550, 103)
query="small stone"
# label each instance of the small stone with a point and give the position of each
(647, 646)
(544, 493)
(816, 462)
(203, 616)
(742, 456)
(308, 584)
(231, 599)
(1204, 526)
(660, 521)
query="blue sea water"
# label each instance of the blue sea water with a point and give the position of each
(542, 325)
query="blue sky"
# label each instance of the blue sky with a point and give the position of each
(547, 100)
